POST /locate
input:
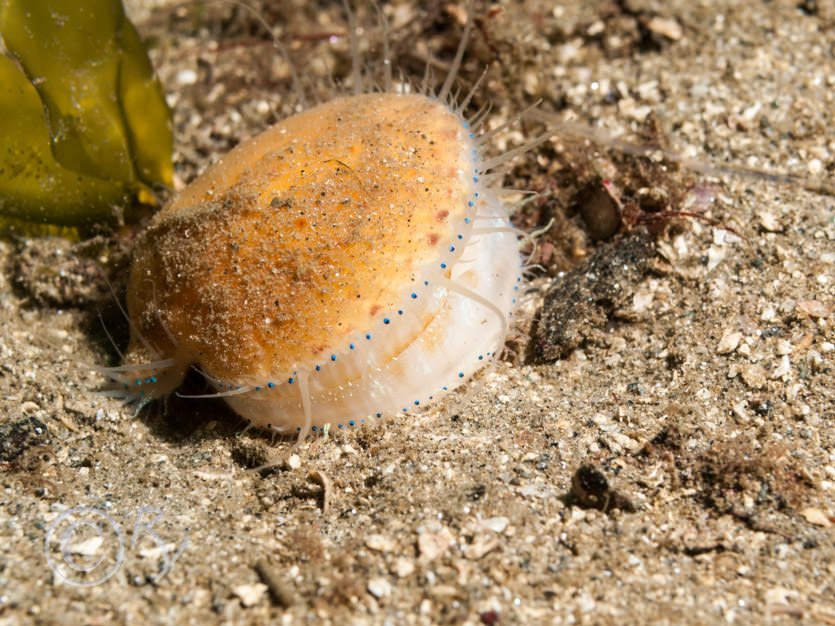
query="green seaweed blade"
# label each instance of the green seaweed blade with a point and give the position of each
(84, 126)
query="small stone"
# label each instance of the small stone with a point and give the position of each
(769, 222)
(642, 301)
(665, 26)
(729, 342)
(537, 490)
(379, 587)
(784, 347)
(186, 77)
(782, 370)
(815, 308)
(715, 255)
(816, 516)
(754, 375)
(381, 543)
(403, 567)
(294, 462)
(249, 595)
(88, 547)
(433, 543)
(496, 524)
(779, 595)
(768, 314)
(616, 442)
(740, 411)
(815, 360)
(629, 108)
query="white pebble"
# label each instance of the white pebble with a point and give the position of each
(186, 77)
(381, 543)
(769, 222)
(816, 516)
(729, 342)
(496, 524)
(403, 567)
(433, 543)
(249, 595)
(784, 347)
(814, 359)
(379, 587)
(715, 255)
(783, 368)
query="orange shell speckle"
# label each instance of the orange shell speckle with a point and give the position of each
(323, 252)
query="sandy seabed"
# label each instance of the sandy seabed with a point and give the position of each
(675, 464)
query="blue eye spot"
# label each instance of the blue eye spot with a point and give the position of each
(386, 320)
(270, 385)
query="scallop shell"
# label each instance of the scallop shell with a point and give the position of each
(348, 262)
